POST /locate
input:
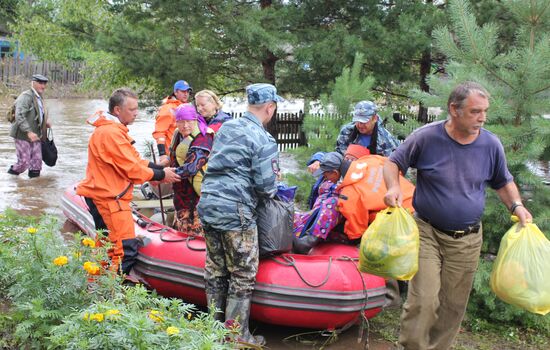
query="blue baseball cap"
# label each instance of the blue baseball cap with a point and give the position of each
(364, 111)
(182, 85)
(262, 93)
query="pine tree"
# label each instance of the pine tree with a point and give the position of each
(518, 78)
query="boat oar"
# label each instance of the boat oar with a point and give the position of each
(159, 188)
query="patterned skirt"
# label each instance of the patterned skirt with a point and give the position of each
(188, 221)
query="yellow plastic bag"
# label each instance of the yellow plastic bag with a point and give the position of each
(521, 272)
(389, 247)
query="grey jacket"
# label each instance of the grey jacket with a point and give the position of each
(243, 167)
(27, 117)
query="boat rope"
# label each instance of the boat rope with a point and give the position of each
(290, 261)
(364, 326)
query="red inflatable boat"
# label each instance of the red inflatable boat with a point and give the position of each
(323, 290)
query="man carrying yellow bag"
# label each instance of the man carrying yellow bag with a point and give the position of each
(455, 160)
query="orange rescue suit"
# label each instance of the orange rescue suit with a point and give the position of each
(165, 123)
(362, 194)
(114, 165)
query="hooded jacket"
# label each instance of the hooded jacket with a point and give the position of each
(114, 165)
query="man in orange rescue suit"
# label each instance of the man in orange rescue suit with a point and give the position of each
(165, 124)
(114, 165)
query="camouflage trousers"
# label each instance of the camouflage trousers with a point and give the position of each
(232, 259)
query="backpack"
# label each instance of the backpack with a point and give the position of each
(10, 114)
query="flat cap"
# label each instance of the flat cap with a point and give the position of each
(40, 78)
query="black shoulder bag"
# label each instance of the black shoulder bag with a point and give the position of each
(49, 150)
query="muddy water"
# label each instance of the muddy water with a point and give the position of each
(42, 195)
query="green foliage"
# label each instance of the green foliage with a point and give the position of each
(219, 44)
(135, 319)
(42, 293)
(47, 290)
(350, 88)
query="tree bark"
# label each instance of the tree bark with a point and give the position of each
(268, 63)
(425, 65)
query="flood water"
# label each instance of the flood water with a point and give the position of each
(42, 195)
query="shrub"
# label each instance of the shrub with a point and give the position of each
(56, 294)
(135, 319)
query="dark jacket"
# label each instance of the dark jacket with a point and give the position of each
(27, 117)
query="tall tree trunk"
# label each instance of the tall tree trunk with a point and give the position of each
(425, 65)
(268, 63)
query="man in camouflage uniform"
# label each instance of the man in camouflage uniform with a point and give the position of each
(243, 167)
(366, 129)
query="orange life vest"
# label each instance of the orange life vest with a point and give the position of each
(362, 194)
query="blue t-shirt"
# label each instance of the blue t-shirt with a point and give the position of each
(451, 177)
(364, 140)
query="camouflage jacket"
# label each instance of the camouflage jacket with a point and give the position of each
(243, 166)
(386, 143)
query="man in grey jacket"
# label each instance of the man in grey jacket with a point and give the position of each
(243, 167)
(29, 128)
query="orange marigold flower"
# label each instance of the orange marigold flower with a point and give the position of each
(61, 260)
(112, 312)
(91, 267)
(156, 316)
(172, 330)
(88, 242)
(97, 317)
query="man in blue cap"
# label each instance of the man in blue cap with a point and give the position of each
(242, 169)
(29, 128)
(165, 123)
(366, 130)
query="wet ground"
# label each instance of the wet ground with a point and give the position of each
(42, 195)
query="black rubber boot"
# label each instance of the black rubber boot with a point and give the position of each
(237, 312)
(34, 173)
(218, 300)
(304, 244)
(13, 172)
